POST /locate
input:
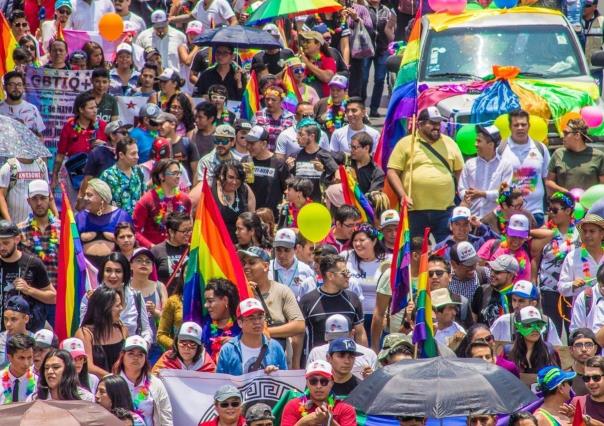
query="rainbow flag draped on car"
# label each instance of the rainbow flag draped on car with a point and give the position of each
(423, 333)
(212, 255)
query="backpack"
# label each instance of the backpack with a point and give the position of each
(13, 165)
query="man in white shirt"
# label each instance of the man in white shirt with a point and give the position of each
(14, 106)
(211, 13)
(529, 161)
(20, 371)
(122, 8)
(337, 326)
(524, 293)
(286, 269)
(355, 113)
(588, 309)
(287, 141)
(482, 175)
(164, 38)
(447, 330)
(87, 14)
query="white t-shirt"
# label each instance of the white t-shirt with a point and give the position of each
(369, 358)
(16, 198)
(219, 13)
(299, 277)
(86, 16)
(340, 139)
(167, 46)
(248, 356)
(530, 168)
(287, 142)
(364, 276)
(502, 330)
(443, 336)
(26, 113)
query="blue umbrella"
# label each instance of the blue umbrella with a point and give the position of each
(238, 37)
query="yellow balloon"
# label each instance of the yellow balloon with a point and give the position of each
(314, 222)
(538, 129)
(503, 125)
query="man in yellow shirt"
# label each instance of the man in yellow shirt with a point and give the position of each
(425, 173)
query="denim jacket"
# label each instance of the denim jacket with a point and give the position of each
(230, 360)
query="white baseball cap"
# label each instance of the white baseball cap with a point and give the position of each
(130, 27)
(272, 29)
(460, 213)
(123, 47)
(336, 325)
(38, 187)
(285, 238)
(135, 342)
(518, 226)
(74, 346)
(464, 253)
(320, 368)
(530, 314)
(159, 18)
(389, 217)
(44, 338)
(525, 289)
(190, 331)
(249, 307)
(257, 133)
(339, 80)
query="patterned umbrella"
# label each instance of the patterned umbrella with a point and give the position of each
(16, 140)
(273, 9)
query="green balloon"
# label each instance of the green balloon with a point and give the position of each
(579, 211)
(473, 6)
(466, 139)
(592, 195)
(492, 5)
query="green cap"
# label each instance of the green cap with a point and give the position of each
(392, 342)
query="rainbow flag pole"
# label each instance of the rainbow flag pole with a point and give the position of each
(212, 255)
(71, 280)
(400, 268)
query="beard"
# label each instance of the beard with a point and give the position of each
(14, 97)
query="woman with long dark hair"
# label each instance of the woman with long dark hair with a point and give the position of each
(102, 331)
(149, 396)
(95, 55)
(112, 392)
(250, 230)
(180, 105)
(187, 352)
(222, 299)
(76, 349)
(58, 379)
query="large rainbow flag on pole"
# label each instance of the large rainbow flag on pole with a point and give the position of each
(423, 333)
(71, 280)
(400, 269)
(212, 255)
(250, 103)
(8, 44)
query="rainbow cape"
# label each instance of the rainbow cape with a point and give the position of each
(71, 280)
(292, 94)
(212, 255)
(423, 333)
(354, 197)
(250, 103)
(400, 269)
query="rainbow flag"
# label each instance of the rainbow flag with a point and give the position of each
(354, 197)
(423, 333)
(212, 255)
(71, 280)
(60, 35)
(403, 103)
(292, 94)
(400, 269)
(246, 56)
(8, 44)
(250, 103)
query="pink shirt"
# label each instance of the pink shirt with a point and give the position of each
(486, 252)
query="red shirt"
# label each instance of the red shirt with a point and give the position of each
(343, 413)
(32, 11)
(214, 422)
(73, 142)
(325, 63)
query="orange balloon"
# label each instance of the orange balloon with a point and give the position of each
(111, 26)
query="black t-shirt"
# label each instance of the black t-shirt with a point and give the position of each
(370, 177)
(186, 152)
(274, 62)
(211, 76)
(33, 271)
(200, 61)
(204, 143)
(344, 389)
(166, 259)
(303, 168)
(317, 306)
(594, 409)
(99, 160)
(269, 182)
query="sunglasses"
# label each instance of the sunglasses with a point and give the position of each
(222, 141)
(314, 381)
(187, 344)
(21, 24)
(232, 404)
(64, 11)
(596, 378)
(298, 70)
(437, 273)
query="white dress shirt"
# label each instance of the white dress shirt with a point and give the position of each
(595, 319)
(299, 277)
(23, 382)
(486, 176)
(572, 268)
(86, 16)
(167, 46)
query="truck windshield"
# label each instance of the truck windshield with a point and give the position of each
(541, 51)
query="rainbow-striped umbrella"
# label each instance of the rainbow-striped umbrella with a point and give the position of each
(273, 9)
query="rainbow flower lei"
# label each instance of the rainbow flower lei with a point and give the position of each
(519, 255)
(216, 333)
(585, 261)
(141, 395)
(8, 389)
(306, 403)
(557, 238)
(53, 241)
(160, 217)
(333, 122)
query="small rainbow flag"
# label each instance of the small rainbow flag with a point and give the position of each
(71, 280)
(212, 255)
(246, 56)
(292, 94)
(400, 281)
(354, 197)
(8, 44)
(250, 103)
(423, 333)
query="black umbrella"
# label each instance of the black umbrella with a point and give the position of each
(440, 387)
(237, 36)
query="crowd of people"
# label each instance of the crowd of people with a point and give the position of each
(509, 260)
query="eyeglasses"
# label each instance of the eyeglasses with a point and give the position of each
(21, 24)
(587, 345)
(185, 231)
(596, 378)
(232, 404)
(222, 141)
(436, 273)
(187, 344)
(175, 173)
(314, 381)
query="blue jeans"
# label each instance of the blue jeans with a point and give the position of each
(437, 220)
(379, 77)
(539, 218)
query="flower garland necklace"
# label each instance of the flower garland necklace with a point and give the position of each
(334, 121)
(557, 238)
(53, 241)
(77, 127)
(501, 222)
(8, 389)
(519, 255)
(141, 395)
(585, 261)
(216, 333)
(311, 77)
(306, 401)
(178, 198)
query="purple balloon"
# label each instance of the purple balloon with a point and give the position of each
(576, 193)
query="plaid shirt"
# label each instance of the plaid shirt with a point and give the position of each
(27, 244)
(272, 126)
(467, 288)
(126, 190)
